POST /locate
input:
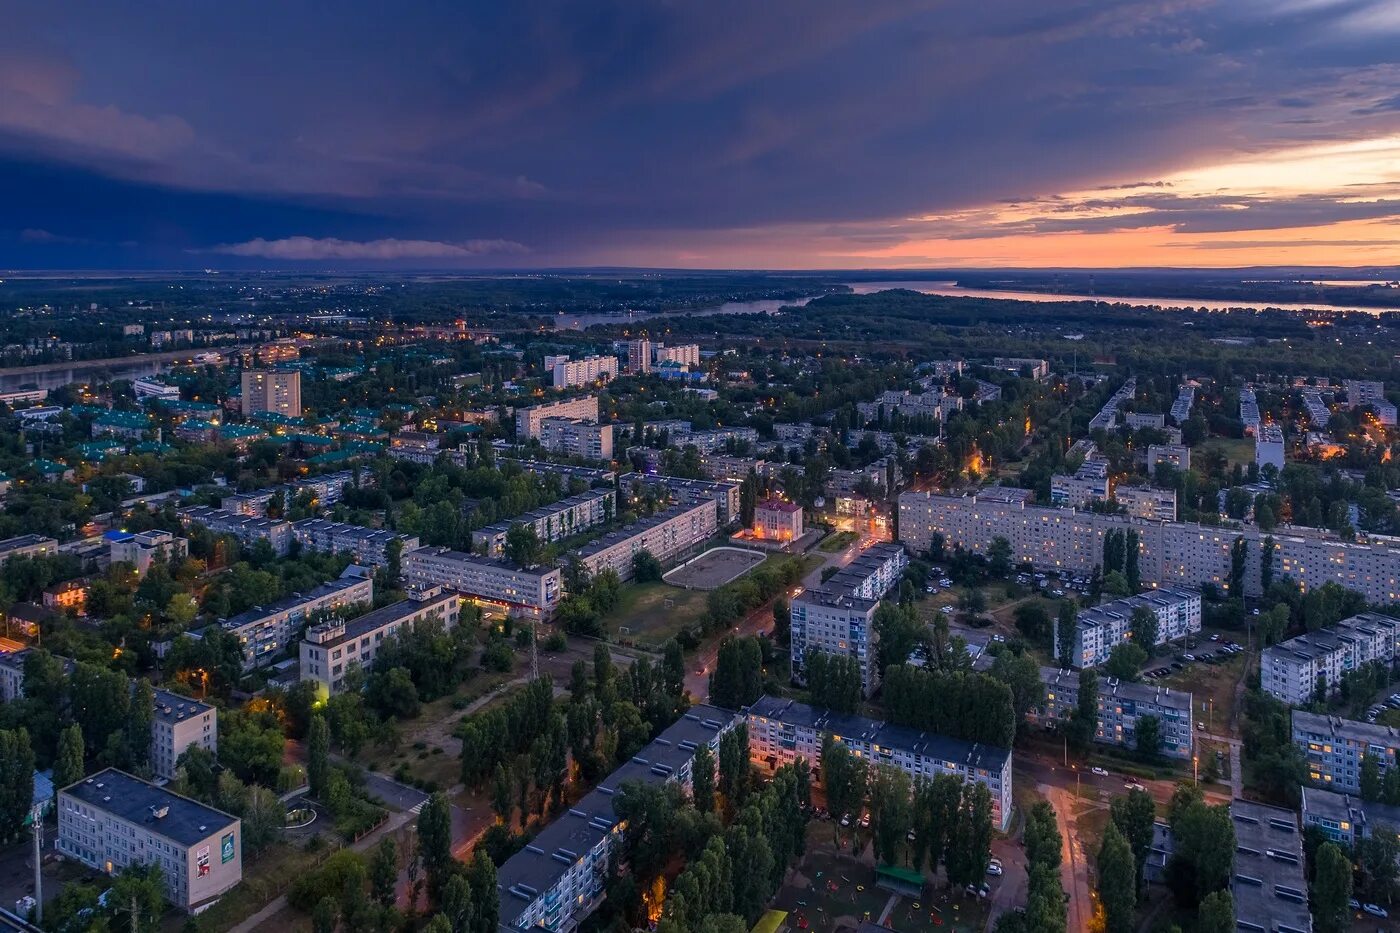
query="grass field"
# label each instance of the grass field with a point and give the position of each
(1236, 450)
(264, 878)
(643, 611)
(837, 542)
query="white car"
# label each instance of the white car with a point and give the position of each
(1099, 771)
(1134, 785)
(994, 868)
(948, 609)
(1375, 910)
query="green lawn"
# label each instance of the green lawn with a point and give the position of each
(1236, 450)
(651, 613)
(264, 878)
(837, 542)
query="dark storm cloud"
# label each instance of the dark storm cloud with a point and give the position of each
(554, 126)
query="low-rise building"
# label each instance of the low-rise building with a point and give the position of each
(141, 549)
(68, 596)
(1345, 818)
(1333, 748)
(1086, 485)
(1137, 420)
(486, 581)
(1175, 455)
(27, 546)
(112, 819)
(690, 491)
(151, 387)
(1294, 670)
(368, 546)
(667, 536)
(559, 878)
(1098, 629)
(1268, 446)
(782, 731)
(776, 520)
(554, 522)
(265, 631)
(1120, 705)
(329, 649)
(127, 424)
(837, 617)
(248, 529)
(1038, 369)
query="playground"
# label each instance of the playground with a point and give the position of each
(714, 568)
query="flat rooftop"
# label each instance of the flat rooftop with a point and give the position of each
(186, 821)
(173, 708)
(386, 615)
(1271, 891)
(1164, 697)
(1348, 729)
(1120, 609)
(861, 728)
(258, 613)
(641, 526)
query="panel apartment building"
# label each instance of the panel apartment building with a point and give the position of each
(143, 548)
(1173, 554)
(1099, 629)
(1334, 748)
(486, 581)
(179, 723)
(560, 877)
(368, 546)
(690, 491)
(330, 649)
(837, 617)
(1120, 706)
(554, 522)
(275, 390)
(782, 730)
(527, 420)
(265, 631)
(27, 546)
(112, 819)
(667, 535)
(573, 437)
(248, 529)
(566, 373)
(1291, 669)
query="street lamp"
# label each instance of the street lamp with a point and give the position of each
(1195, 768)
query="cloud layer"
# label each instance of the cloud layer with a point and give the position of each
(793, 132)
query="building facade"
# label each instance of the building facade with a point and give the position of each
(560, 877)
(1120, 706)
(368, 546)
(667, 535)
(1293, 670)
(179, 724)
(587, 440)
(112, 819)
(248, 529)
(1334, 748)
(265, 631)
(776, 520)
(1099, 629)
(782, 731)
(330, 649)
(837, 616)
(486, 581)
(276, 390)
(527, 420)
(568, 374)
(143, 548)
(554, 522)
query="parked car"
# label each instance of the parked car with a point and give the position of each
(994, 868)
(1215, 637)
(1099, 771)
(1134, 785)
(1375, 910)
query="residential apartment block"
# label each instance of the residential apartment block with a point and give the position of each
(527, 420)
(27, 546)
(781, 731)
(1039, 369)
(1268, 446)
(554, 522)
(1362, 393)
(690, 491)
(368, 546)
(329, 649)
(1087, 484)
(486, 581)
(1269, 884)
(1183, 403)
(1099, 629)
(180, 723)
(1291, 670)
(143, 548)
(1334, 748)
(1147, 502)
(560, 877)
(1175, 455)
(567, 373)
(837, 617)
(1345, 818)
(1172, 554)
(265, 631)
(686, 354)
(275, 390)
(587, 440)
(112, 820)
(667, 535)
(248, 529)
(1120, 706)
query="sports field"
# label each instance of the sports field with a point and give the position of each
(714, 568)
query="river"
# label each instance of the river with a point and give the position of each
(56, 375)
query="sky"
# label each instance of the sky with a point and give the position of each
(799, 134)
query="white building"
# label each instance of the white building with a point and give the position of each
(1181, 406)
(486, 581)
(1087, 484)
(684, 355)
(667, 535)
(179, 724)
(1147, 502)
(368, 546)
(584, 439)
(1099, 629)
(1268, 446)
(1291, 670)
(1175, 455)
(782, 731)
(1249, 411)
(554, 522)
(265, 631)
(560, 877)
(143, 548)
(1334, 748)
(151, 387)
(568, 374)
(1120, 706)
(329, 649)
(776, 520)
(112, 820)
(837, 617)
(527, 420)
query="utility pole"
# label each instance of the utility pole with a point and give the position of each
(38, 827)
